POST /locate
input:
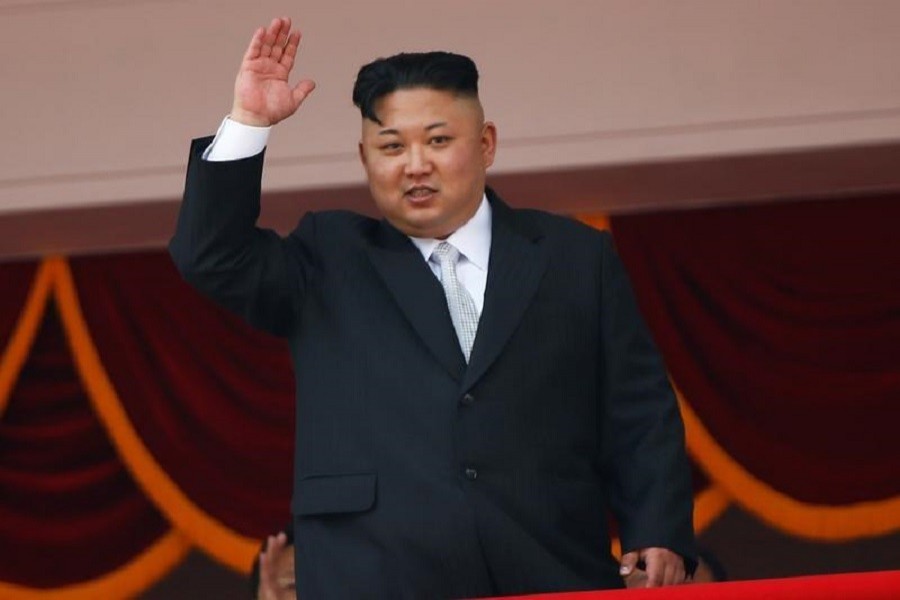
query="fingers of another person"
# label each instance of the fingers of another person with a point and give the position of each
(277, 543)
(268, 583)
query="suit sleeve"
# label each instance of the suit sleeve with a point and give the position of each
(219, 250)
(650, 482)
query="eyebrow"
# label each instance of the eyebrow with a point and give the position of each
(427, 128)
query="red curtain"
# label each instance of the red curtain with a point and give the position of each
(69, 509)
(211, 398)
(16, 278)
(781, 326)
(144, 409)
(877, 585)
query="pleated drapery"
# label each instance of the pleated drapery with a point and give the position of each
(138, 420)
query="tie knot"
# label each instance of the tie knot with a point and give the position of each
(445, 253)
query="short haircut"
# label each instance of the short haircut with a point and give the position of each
(443, 71)
(254, 570)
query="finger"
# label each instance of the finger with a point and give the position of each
(279, 542)
(680, 573)
(290, 50)
(276, 52)
(266, 560)
(655, 570)
(637, 579)
(654, 577)
(669, 574)
(267, 577)
(674, 573)
(281, 38)
(628, 563)
(255, 44)
(268, 40)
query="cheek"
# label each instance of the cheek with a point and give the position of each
(463, 166)
(383, 174)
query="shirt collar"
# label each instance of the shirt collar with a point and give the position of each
(473, 239)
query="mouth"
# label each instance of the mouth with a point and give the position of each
(420, 193)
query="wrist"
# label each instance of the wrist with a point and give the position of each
(246, 118)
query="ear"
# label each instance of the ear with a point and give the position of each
(488, 143)
(362, 153)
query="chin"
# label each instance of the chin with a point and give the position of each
(423, 230)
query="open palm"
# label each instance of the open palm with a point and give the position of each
(262, 94)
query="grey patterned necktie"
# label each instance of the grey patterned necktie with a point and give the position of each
(462, 307)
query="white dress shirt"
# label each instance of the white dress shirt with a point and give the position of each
(473, 240)
(235, 141)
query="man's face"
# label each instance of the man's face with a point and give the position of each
(426, 160)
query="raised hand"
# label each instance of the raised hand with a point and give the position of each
(262, 94)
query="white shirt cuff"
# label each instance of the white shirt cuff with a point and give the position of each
(235, 141)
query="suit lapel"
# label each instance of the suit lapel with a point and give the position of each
(516, 267)
(418, 294)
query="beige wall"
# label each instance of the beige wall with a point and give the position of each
(100, 97)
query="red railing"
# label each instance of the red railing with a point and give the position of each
(880, 585)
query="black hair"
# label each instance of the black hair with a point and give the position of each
(444, 71)
(288, 531)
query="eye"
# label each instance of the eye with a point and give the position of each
(440, 140)
(390, 147)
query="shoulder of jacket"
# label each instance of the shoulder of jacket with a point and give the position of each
(556, 224)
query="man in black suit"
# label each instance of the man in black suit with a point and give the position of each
(475, 386)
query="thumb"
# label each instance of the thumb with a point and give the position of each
(629, 561)
(302, 90)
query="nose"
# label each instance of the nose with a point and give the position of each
(417, 161)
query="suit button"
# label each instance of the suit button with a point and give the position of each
(471, 474)
(468, 399)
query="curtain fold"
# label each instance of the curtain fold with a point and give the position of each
(22, 303)
(211, 399)
(137, 418)
(69, 511)
(780, 324)
(17, 279)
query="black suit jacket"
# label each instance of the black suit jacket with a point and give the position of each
(416, 475)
